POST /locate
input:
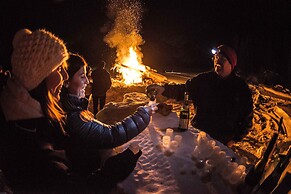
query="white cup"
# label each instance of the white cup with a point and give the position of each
(166, 141)
(169, 132)
(241, 167)
(209, 165)
(178, 138)
(195, 138)
(173, 145)
(196, 153)
(134, 147)
(235, 177)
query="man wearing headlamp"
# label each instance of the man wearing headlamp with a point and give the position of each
(222, 100)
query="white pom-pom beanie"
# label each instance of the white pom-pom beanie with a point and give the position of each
(35, 55)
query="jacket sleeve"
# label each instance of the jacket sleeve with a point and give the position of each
(175, 91)
(92, 133)
(246, 112)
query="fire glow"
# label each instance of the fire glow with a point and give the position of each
(125, 37)
(130, 68)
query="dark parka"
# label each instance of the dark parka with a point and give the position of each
(223, 106)
(101, 81)
(32, 147)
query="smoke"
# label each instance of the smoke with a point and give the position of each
(125, 16)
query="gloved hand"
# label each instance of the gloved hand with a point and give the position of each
(151, 108)
(121, 165)
(116, 169)
(158, 88)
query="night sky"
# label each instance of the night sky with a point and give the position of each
(178, 34)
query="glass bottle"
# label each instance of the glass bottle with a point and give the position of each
(152, 94)
(184, 117)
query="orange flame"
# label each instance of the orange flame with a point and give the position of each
(130, 68)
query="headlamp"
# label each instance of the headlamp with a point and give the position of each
(214, 51)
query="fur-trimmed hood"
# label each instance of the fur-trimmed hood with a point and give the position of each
(17, 104)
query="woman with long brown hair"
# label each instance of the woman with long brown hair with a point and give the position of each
(33, 128)
(89, 136)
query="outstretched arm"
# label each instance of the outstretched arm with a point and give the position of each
(97, 134)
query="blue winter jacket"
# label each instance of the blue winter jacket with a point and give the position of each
(89, 136)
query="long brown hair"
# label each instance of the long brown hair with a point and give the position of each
(49, 104)
(74, 63)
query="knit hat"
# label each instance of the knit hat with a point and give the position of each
(229, 53)
(35, 55)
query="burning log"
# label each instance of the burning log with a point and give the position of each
(148, 75)
(154, 76)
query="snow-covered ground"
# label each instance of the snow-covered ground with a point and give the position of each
(268, 109)
(164, 171)
(270, 104)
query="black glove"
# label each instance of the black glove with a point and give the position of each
(116, 169)
(121, 165)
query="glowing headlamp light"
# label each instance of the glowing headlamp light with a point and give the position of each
(214, 51)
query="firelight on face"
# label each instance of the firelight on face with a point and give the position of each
(78, 83)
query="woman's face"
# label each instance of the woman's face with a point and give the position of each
(78, 83)
(55, 80)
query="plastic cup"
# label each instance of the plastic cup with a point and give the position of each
(195, 138)
(212, 143)
(134, 147)
(209, 165)
(241, 167)
(173, 145)
(169, 132)
(178, 138)
(196, 153)
(235, 177)
(166, 141)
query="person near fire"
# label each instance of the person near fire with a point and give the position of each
(101, 84)
(222, 100)
(90, 136)
(36, 146)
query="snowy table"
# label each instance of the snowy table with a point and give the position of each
(158, 171)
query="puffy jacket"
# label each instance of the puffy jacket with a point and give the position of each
(89, 135)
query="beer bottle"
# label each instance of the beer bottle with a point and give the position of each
(184, 114)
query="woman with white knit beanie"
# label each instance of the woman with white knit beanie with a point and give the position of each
(31, 120)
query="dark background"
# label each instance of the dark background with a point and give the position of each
(178, 34)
